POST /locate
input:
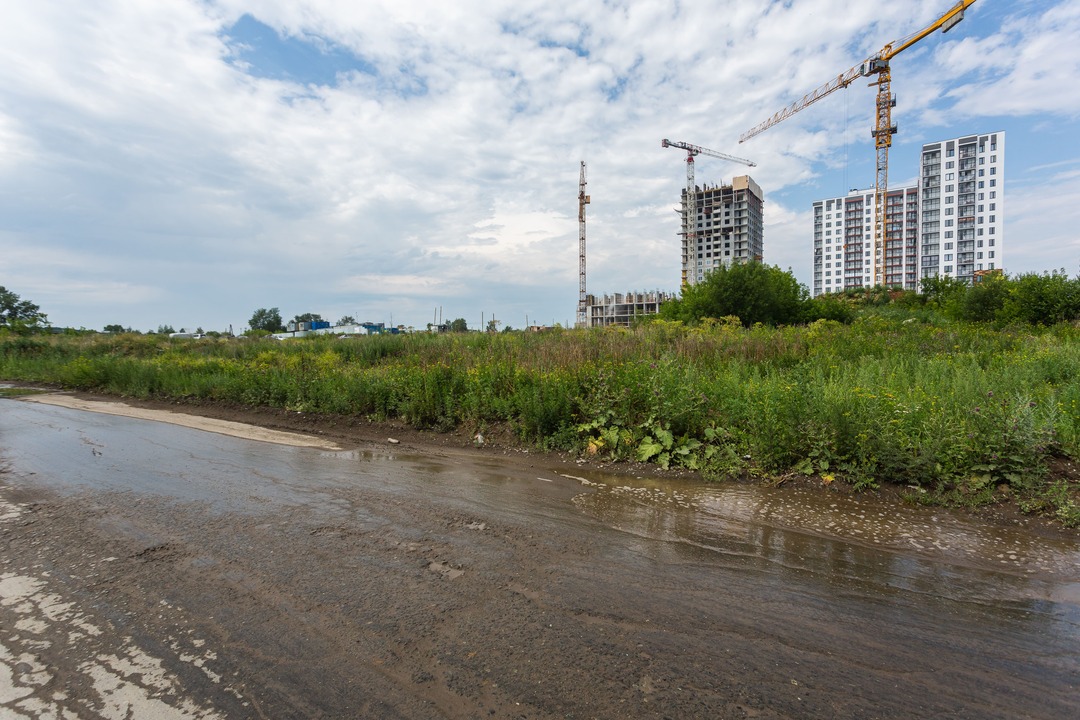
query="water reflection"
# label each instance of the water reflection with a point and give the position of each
(850, 541)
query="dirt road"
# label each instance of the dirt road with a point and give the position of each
(169, 572)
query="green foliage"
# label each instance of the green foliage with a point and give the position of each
(18, 315)
(266, 319)
(828, 307)
(307, 317)
(459, 326)
(751, 291)
(1043, 299)
(962, 410)
(347, 320)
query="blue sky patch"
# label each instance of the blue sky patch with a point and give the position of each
(265, 53)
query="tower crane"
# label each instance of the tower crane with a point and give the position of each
(583, 200)
(884, 129)
(689, 221)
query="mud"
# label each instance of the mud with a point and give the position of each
(150, 569)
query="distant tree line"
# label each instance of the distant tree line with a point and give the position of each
(18, 315)
(758, 293)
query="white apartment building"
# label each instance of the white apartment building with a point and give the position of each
(951, 224)
(844, 254)
(729, 227)
(962, 206)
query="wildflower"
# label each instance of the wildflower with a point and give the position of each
(990, 394)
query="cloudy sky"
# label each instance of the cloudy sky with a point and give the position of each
(185, 162)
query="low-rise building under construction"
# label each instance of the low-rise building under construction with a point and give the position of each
(623, 308)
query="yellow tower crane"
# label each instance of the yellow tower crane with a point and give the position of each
(884, 128)
(583, 200)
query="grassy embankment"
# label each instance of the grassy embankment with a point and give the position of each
(968, 414)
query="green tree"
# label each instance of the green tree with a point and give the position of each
(459, 325)
(19, 315)
(347, 320)
(266, 319)
(165, 329)
(308, 317)
(983, 301)
(945, 294)
(752, 291)
(1043, 299)
(114, 329)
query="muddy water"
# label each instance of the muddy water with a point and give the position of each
(804, 531)
(911, 548)
(778, 577)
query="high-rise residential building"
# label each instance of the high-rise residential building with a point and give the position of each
(962, 206)
(950, 224)
(844, 255)
(729, 227)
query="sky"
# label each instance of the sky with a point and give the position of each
(186, 162)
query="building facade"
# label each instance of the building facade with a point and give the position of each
(962, 206)
(844, 256)
(950, 225)
(729, 227)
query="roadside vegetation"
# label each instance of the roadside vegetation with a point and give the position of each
(896, 388)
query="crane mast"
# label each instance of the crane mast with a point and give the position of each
(689, 233)
(884, 128)
(583, 200)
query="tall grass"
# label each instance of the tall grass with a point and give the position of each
(881, 400)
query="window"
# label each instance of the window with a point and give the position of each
(982, 160)
(948, 268)
(981, 172)
(993, 194)
(948, 233)
(993, 158)
(993, 183)
(991, 243)
(948, 176)
(991, 255)
(991, 231)
(982, 183)
(993, 171)
(948, 211)
(950, 153)
(993, 206)
(978, 256)
(948, 246)
(992, 217)
(948, 257)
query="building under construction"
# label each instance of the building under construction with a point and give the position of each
(727, 227)
(623, 308)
